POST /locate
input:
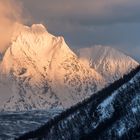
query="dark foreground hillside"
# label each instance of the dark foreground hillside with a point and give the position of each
(111, 114)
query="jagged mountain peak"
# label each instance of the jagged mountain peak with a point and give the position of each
(108, 61)
(35, 28)
(35, 43)
(45, 73)
(99, 52)
(38, 28)
(36, 37)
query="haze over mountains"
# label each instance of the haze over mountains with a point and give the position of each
(40, 71)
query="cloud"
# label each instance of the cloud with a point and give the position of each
(85, 12)
(10, 13)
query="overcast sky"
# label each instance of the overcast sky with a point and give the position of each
(91, 22)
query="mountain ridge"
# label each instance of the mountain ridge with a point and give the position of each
(46, 73)
(42, 72)
(92, 114)
(109, 62)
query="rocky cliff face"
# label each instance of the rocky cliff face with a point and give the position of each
(113, 113)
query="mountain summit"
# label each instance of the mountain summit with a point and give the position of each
(112, 64)
(40, 71)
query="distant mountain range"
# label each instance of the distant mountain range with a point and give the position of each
(40, 71)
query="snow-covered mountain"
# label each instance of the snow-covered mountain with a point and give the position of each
(40, 71)
(111, 114)
(109, 62)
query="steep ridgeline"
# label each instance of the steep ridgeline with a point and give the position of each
(39, 71)
(112, 113)
(109, 62)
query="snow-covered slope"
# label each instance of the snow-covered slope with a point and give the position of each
(111, 114)
(109, 62)
(40, 71)
(43, 72)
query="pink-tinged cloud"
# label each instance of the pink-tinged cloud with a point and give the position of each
(10, 13)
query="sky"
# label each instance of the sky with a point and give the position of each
(85, 23)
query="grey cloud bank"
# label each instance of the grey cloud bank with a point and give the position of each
(85, 23)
